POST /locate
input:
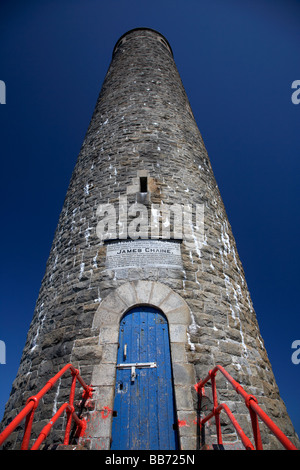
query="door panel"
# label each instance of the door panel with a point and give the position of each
(144, 412)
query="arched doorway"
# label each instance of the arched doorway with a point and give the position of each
(144, 414)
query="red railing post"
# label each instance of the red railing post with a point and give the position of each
(70, 409)
(46, 429)
(216, 410)
(28, 423)
(272, 426)
(254, 422)
(245, 440)
(15, 422)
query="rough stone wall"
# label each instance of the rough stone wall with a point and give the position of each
(143, 126)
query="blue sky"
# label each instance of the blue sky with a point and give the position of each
(237, 61)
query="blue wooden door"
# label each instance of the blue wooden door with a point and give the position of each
(144, 415)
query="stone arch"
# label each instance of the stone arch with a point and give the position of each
(107, 321)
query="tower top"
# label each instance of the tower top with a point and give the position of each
(142, 32)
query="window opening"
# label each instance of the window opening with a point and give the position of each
(143, 184)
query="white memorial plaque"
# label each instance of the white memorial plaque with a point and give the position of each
(143, 254)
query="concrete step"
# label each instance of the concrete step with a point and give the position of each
(225, 446)
(70, 447)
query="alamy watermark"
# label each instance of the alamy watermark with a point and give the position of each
(296, 94)
(2, 92)
(2, 352)
(296, 354)
(165, 221)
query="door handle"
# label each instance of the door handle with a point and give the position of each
(133, 373)
(125, 351)
(136, 365)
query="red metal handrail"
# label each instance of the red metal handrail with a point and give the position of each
(32, 403)
(254, 410)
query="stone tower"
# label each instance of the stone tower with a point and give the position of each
(143, 242)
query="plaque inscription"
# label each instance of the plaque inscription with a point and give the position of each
(143, 254)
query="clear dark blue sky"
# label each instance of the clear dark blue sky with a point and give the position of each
(237, 60)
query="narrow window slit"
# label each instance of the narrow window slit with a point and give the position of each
(143, 184)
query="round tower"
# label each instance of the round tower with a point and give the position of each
(144, 291)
